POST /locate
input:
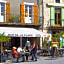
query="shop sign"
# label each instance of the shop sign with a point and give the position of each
(24, 35)
(20, 35)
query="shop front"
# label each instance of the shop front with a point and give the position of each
(19, 36)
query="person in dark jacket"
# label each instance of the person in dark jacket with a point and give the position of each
(34, 51)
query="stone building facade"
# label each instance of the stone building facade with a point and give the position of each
(50, 24)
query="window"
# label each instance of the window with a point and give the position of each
(2, 12)
(57, 15)
(28, 13)
(2, 9)
(57, 1)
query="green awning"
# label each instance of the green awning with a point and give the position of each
(55, 4)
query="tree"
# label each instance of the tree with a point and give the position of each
(56, 36)
(3, 39)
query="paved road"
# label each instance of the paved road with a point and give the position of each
(42, 60)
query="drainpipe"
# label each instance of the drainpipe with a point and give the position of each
(42, 20)
(42, 15)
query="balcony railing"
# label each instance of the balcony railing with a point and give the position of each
(17, 19)
(55, 22)
(14, 19)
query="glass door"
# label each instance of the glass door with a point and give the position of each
(2, 12)
(57, 16)
(28, 14)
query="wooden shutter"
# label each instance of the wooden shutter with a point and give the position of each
(62, 16)
(52, 16)
(35, 14)
(7, 12)
(22, 13)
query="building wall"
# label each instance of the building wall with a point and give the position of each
(46, 13)
(15, 5)
(62, 1)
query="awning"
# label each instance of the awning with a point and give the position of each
(22, 32)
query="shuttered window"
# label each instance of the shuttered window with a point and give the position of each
(52, 16)
(62, 16)
(30, 14)
(35, 14)
(22, 14)
(7, 12)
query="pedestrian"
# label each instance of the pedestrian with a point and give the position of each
(34, 51)
(54, 50)
(28, 43)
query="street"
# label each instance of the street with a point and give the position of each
(42, 60)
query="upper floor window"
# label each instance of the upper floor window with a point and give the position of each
(58, 16)
(2, 9)
(57, 1)
(2, 12)
(29, 13)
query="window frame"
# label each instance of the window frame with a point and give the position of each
(28, 16)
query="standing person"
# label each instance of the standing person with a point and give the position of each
(34, 51)
(28, 43)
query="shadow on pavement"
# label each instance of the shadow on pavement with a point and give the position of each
(22, 61)
(51, 58)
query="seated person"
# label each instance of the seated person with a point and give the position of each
(27, 52)
(14, 52)
(19, 49)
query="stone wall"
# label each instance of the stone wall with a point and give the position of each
(46, 13)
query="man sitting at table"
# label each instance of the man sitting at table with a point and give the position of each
(19, 49)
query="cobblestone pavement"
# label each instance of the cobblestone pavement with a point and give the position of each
(42, 60)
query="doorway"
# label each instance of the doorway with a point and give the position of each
(15, 41)
(2, 12)
(28, 14)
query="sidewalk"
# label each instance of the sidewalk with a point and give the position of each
(41, 60)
